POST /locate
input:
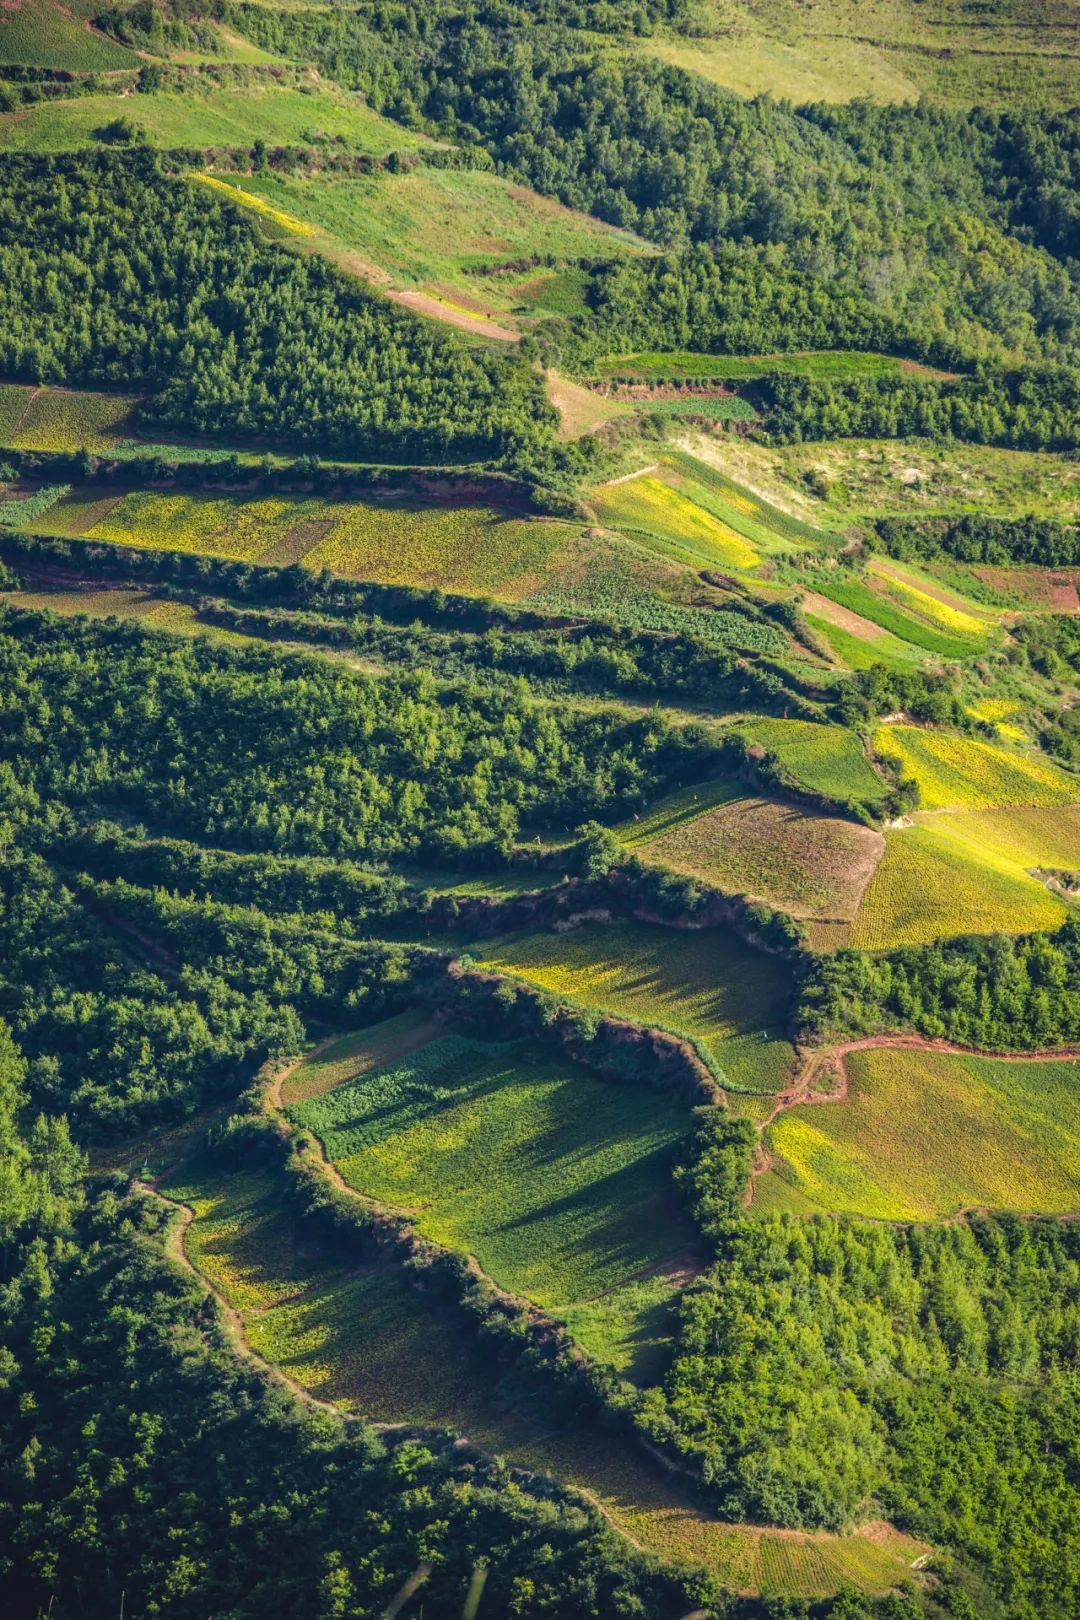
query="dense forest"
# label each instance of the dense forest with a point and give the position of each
(959, 226)
(826, 1365)
(996, 992)
(111, 274)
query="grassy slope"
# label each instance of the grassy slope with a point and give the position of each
(435, 228)
(218, 116)
(702, 983)
(1012, 1131)
(1015, 54)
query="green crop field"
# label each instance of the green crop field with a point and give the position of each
(859, 651)
(827, 759)
(761, 522)
(361, 1338)
(963, 773)
(967, 873)
(209, 116)
(64, 419)
(807, 864)
(882, 608)
(924, 1134)
(46, 34)
(704, 983)
(557, 1181)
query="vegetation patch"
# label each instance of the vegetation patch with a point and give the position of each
(349, 1056)
(704, 983)
(209, 116)
(826, 759)
(967, 873)
(63, 419)
(924, 1134)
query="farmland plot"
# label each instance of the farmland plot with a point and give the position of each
(807, 864)
(924, 1134)
(558, 1182)
(704, 983)
(968, 873)
(827, 759)
(955, 772)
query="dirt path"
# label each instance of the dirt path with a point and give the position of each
(422, 303)
(626, 477)
(817, 1063)
(33, 394)
(176, 1251)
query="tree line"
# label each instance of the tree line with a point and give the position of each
(111, 273)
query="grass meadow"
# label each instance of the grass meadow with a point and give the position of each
(704, 983)
(925, 1134)
(234, 115)
(45, 34)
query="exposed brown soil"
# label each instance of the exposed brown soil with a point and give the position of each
(842, 617)
(424, 304)
(1056, 589)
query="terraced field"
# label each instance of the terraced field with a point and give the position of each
(395, 539)
(834, 363)
(1011, 1127)
(807, 864)
(649, 506)
(968, 873)
(827, 759)
(956, 772)
(558, 1182)
(471, 548)
(364, 1340)
(703, 983)
(360, 1338)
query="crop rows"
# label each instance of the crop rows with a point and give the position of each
(958, 772)
(648, 505)
(557, 1181)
